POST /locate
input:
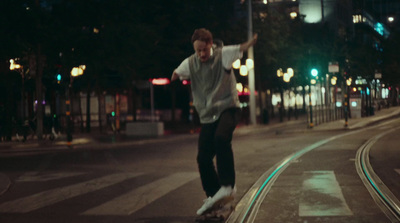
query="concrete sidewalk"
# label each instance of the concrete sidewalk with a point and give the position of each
(355, 123)
(103, 140)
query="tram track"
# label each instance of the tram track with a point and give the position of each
(381, 194)
(248, 207)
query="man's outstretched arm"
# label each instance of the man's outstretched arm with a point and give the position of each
(246, 45)
(174, 76)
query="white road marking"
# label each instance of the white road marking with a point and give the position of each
(49, 197)
(33, 177)
(322, 195)
(397, 170)
(142, 196)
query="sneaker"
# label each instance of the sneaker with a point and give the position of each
(224, 192)
(207, 205)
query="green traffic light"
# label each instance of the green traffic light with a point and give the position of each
(314, 72)
(112, 113)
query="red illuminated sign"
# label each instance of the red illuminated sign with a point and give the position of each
(160, 81)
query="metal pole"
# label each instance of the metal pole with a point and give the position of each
(23, 96)
(68, 113)
(346, 106)
(311, 125)
(152, 101)
(251, 77)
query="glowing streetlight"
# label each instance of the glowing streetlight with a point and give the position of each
(333, 80)
(243, 70)
(236, 64)
(348, 81)
(15, 66)
(78, 71)
(239, 87)
(286, 77)
(293, 15)
(249, 64)
(313, 81)
(279, 72)
(290, 71)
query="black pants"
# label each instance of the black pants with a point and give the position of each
(215, 141)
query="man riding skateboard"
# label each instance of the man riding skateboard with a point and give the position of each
(216, 100)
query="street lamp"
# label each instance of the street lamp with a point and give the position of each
(75, 72)
(333, 81)
(250, 55)
(244, 71)
(346, 102)
(348, 81)
(236, 64)
(250, 64)
(314, 76)
(16, 66)
(279, 72)
(78, 71)
(286, 78)
(293, 15)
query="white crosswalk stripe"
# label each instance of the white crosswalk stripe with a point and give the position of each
(140, 197)
(322, 195)
(49, 197)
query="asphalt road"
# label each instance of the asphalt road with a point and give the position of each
(306, 176)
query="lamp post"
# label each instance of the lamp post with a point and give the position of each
(332, 96)
(16, 66)
(75, 72)
(286, 78)
(251, 76)
(346, 103)
(311, 125)
(244, 70)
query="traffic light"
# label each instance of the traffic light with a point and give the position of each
(314, 72)
(58, 77)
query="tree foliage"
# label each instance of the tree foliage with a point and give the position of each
(121, 41)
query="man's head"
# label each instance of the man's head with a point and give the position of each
(202, 42)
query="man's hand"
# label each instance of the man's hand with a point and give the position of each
(246, 45)
(174, 76)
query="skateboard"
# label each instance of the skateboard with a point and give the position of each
(219, 212)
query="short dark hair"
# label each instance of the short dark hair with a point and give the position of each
(202, 35)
